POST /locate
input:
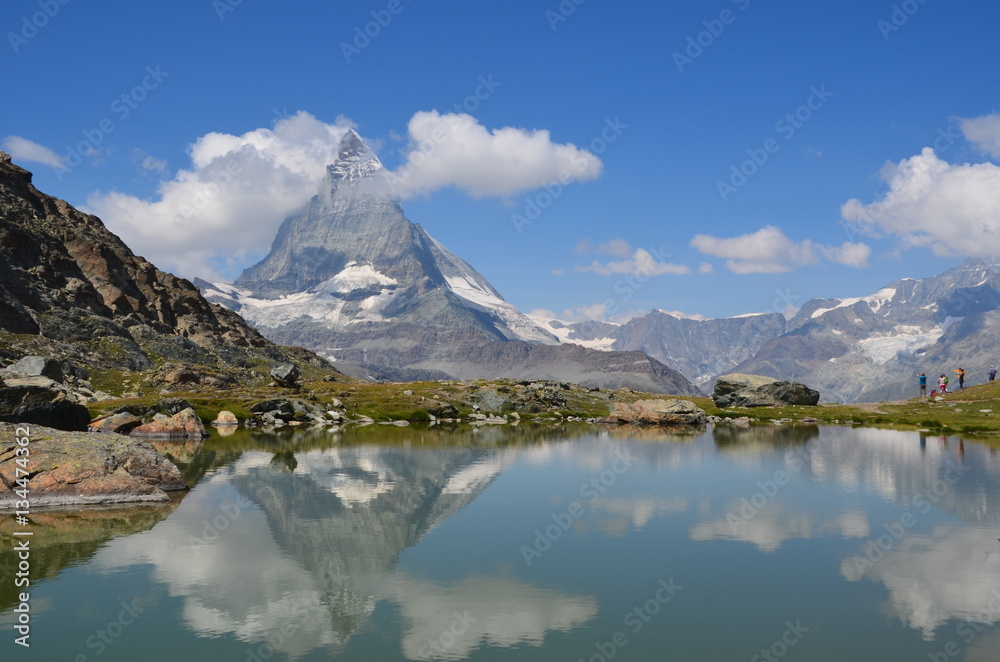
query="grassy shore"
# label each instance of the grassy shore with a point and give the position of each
(975, 410)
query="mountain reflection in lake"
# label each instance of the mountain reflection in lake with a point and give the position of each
(529, 542)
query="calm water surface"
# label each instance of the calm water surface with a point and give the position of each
(793, 543)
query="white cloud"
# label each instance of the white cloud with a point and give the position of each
(455, 150)
(151, 163)
(983, 132)
(614, 247)
(232, 199)
(642, 264)
(225, 208)
(706, 268)
(952, 208)
(849, 254)
(770, 251)
(22, 149)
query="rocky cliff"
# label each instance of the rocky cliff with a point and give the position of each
(71, 289)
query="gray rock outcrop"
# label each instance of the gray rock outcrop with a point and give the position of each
(739, 390)
(286, 375)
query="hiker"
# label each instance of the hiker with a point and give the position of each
(943, 384)
(961, 378)
(993, 372)
(923, 384)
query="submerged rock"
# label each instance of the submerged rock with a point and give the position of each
(75, 468)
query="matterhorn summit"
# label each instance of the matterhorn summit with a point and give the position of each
(353, 279)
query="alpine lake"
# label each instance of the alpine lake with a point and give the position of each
(531, 542)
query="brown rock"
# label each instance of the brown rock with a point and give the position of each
(75, 468)
(120, 423)
(182, 425)
(658, 412)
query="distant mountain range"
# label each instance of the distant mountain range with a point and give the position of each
(859, 349)
(351, 278)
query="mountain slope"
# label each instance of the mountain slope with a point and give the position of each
(353, 279)
(700, 349)
(871, 348)
(72, 289)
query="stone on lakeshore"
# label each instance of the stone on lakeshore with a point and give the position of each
(182, 425)
(658, 412)
(76, 468)
(122, 423)
(226, 419)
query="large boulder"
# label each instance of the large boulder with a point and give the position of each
(182, 425)
(42, 405)
(759, 391)
(122, 423)
(286, 375)
(33, 366)
(226, 419)
(658, 412)
(75, 468)
(287, 410)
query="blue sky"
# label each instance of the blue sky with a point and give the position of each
(649, 226)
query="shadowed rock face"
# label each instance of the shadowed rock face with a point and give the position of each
(41, 406)
(65, 278)
(353, 279)
(74, 468)
(759, 391)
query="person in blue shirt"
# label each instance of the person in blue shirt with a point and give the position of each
(923, 384)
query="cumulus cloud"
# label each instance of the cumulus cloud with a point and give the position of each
(770, 251)
(952, 208)
(212, 217)
(150, 163)
(22, 149)
(231, 199)
(639, 262)
(456, 150)
(983, 132)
